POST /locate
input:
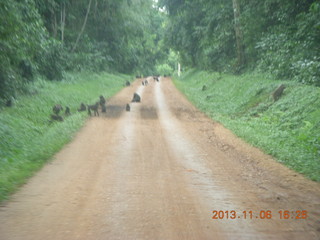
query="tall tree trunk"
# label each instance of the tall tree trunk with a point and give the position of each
(54, 23)
(63, 20)
(83, 27)
(239, 36)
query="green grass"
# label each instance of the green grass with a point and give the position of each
(288, 129)
(28, 140)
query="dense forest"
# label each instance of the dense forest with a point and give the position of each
(142, 37)
(47, 38)
(280, 37)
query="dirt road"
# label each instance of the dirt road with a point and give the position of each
(160, 172)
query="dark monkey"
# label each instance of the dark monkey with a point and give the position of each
(67, 111)
(56, 117)
(128, 107)
(93, 107)
(102, 101)
(57, 108)
(82, 107)
(136, 98)
(103, 108)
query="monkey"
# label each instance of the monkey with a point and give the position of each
(278, 92)
(142, 83)
(67, 111)
(57, 108)
(127, 83)
(102, 101)
(146, 82)
(103, 108)
(204, 87)
(93, 107)
(56, 117)
(136, 98)
(82, 107)
(128, 107)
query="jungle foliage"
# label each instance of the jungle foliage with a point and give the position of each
(278, 37)
(48, 38)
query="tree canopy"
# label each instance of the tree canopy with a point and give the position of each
(281, 37)
(141, 37)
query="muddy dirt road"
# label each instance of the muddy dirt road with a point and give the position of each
(160, 172)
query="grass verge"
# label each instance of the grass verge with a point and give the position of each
(28, 140)
(288, 129)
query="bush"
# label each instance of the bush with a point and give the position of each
(164, 69)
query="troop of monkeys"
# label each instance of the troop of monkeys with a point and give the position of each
(94, 107)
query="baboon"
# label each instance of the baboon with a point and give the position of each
(102, 101)
(204, 87)
(103, 108)
(128, 107)
(82, 107)
(127, 83)
(156, 78)
(93, 107)
(146, 82)
(56, 117)
(136, 98)
(67, 111)
(57, 108)
(142, 83)
(278, 92)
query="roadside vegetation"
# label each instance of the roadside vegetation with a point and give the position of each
(42, 43)
(288, 129)
(28, 138)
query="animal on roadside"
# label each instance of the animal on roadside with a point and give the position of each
(204, 87)
(278, 92)
(146, 82)
(127, 83)
(128, 107)
(94, 108)
(102, 101)
(67, 111)
(82, 108)
(142, 83)
(103, 108)
(136, 98)
(56, 117)
(56, 109)
(156, 78)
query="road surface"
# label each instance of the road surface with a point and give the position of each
(161, 171)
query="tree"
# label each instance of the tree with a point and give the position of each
(239, 35)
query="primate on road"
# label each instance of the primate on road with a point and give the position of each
(93, 107)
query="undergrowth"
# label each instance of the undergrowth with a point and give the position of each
(28, 139)
(288, 129)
